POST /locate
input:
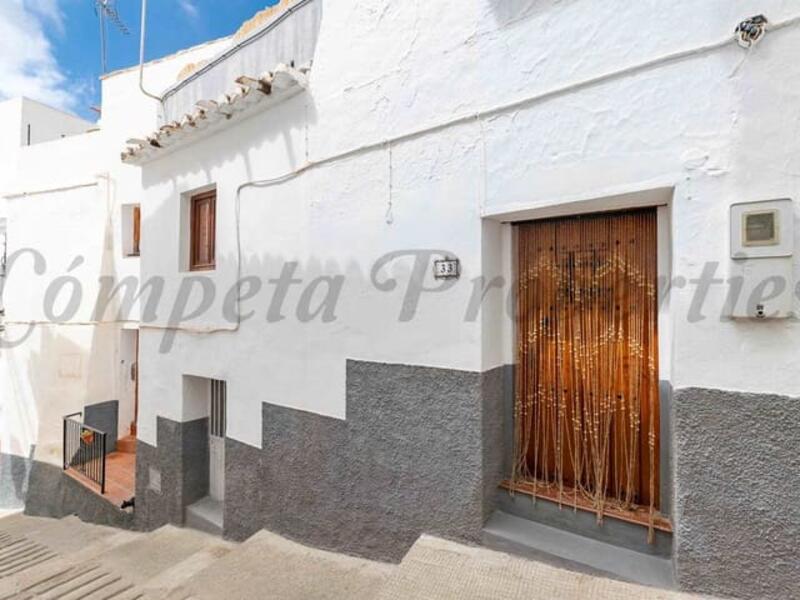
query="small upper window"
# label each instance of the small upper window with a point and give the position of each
(131, 229)
(202, 233)
(137, 230)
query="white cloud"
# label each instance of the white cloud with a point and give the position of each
(189, 7)
(28, 66)
(47, 10)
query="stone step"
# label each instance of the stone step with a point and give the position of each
(60, 535)
(30, 544)
(147, 557)
(55, 567)
(162, 585)
(127, 445)
(205, 515)
(21, 524)
(559, 548)
(277, 568)
(103, 563)
(436, 569)
(89, 583)
(20, 555)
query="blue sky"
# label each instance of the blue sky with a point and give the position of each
(50, 49)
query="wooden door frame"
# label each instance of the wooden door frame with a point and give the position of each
(134, 425)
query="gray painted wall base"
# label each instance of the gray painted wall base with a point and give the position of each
(53, 494)
(737, 474)
(420, 451)
(105, 417)
(14, 475)
(172, 475)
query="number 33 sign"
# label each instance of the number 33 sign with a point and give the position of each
(449, 268)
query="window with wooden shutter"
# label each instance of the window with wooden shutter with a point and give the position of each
(202, 255)
(137, 230)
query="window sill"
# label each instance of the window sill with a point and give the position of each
(640, 516)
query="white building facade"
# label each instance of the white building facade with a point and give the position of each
(302, 366)
(65, 210)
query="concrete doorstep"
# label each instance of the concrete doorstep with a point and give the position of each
(67, 559)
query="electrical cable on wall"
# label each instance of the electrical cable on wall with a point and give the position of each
(479, 116)
(748, 33)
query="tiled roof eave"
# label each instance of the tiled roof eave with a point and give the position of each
(250, 96)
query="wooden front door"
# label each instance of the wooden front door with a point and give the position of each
(587, 417)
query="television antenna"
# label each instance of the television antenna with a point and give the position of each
(107, 11)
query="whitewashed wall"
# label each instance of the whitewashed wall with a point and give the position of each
(63, 198)
(47, 123)
(718, 127)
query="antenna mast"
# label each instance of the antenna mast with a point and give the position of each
(105, 9)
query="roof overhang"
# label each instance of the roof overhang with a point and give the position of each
(252, 95)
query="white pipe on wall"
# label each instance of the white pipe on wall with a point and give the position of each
(141, 54)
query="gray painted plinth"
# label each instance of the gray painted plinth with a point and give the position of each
(104, 417)
(14, 475)
(172, 475)
(52, 493)
(737, 473)
(420, 451)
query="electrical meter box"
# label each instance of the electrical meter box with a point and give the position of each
(762, 253)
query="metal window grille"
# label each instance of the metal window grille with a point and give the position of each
(219, 395)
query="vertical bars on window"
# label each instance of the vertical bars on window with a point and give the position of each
(218, 419)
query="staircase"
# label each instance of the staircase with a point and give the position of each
(127, 444)
(66, 559)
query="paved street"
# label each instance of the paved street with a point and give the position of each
(49, 558)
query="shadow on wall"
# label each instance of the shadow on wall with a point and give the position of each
(55, 371)
(507, 12)
(14, 475)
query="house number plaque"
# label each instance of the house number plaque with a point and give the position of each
(449, 268)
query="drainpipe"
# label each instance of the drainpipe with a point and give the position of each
(141, 55)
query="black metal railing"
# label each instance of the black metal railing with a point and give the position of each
(85, 450)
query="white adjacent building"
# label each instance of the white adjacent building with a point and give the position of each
(66, 212)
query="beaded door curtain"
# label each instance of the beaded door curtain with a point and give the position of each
(586, 414)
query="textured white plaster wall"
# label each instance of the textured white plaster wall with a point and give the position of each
(60, 368)
(332, 222)
(10, 140)
(720, 127)
(47, 123)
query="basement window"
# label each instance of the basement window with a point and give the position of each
(131, 229)
(202, 231)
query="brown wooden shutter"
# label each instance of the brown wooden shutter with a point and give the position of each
(137, 230)
(203, 232)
